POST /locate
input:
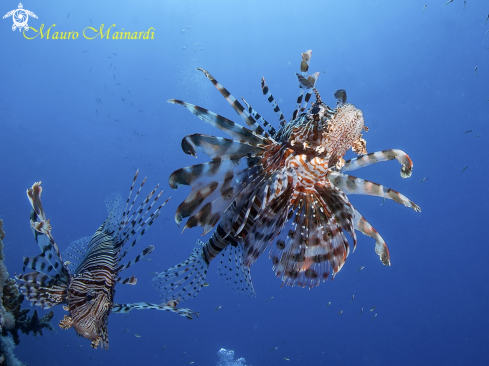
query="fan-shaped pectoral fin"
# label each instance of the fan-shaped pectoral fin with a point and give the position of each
(364, 227)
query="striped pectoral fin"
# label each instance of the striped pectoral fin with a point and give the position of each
(354, 185)
(50, 259)
(364, 227)
(206, 202)
(236, 131)
(42, 290)
(185, 279)
(311, 246)
(216, 170)
(217, 147)
(126, 308)
(242, 112)
(41, 264)
(379, 156)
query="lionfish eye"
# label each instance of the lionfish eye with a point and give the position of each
(90, 296)
(315, 109)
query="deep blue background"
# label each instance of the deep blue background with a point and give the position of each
(412, 74)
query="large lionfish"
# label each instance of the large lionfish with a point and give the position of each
(88, 291)
(284, 188)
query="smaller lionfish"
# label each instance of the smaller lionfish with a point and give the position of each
(282, 189)
(88, 291)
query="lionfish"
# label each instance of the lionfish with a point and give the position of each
(284, 188)
(88, 291)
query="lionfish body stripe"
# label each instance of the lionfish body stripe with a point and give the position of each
(89, 290)
(285, 189)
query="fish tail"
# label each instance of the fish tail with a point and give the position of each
(185, 279)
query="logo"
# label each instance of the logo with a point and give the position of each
(20, 17)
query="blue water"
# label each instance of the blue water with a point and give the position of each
(411, 72)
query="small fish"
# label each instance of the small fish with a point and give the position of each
(117, 84)
(476, 70)
(360, 269)
(468, 131)
(383, 202)
(375, 316)
(424, 7)
(114, 77)
(216, 309)
(373, 308)
(423, 180)
(465, 2)
(143, 259)
(190, 362)
(115, 54)
(110, 65)
(286, 359)
(463, 170)
(184, 353)
(109, 57)
(152, 273)
(96, 111)
(125, 330)
(90, 69)
(270, 299)
(85, 51)
(274, 349)
(137, 336)
(105, 86)
(79, 346)
(477, 136)
(205, 283)
(90, 20)
(139, 110)
(352, 298)
(361, 311)
(163, 348)
(123, 100)
(487, 19)
(448, 2)
(68, 16)
(328, 304)
(340, 312)
(116, 120)
(128, 91)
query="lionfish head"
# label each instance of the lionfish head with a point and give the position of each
(89, 312)
(327, 133)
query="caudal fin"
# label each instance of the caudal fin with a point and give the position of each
(185, 279)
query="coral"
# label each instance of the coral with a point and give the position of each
(226, 358)
(12, 317)
(7, 349)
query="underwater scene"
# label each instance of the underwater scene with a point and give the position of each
(244, 183)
